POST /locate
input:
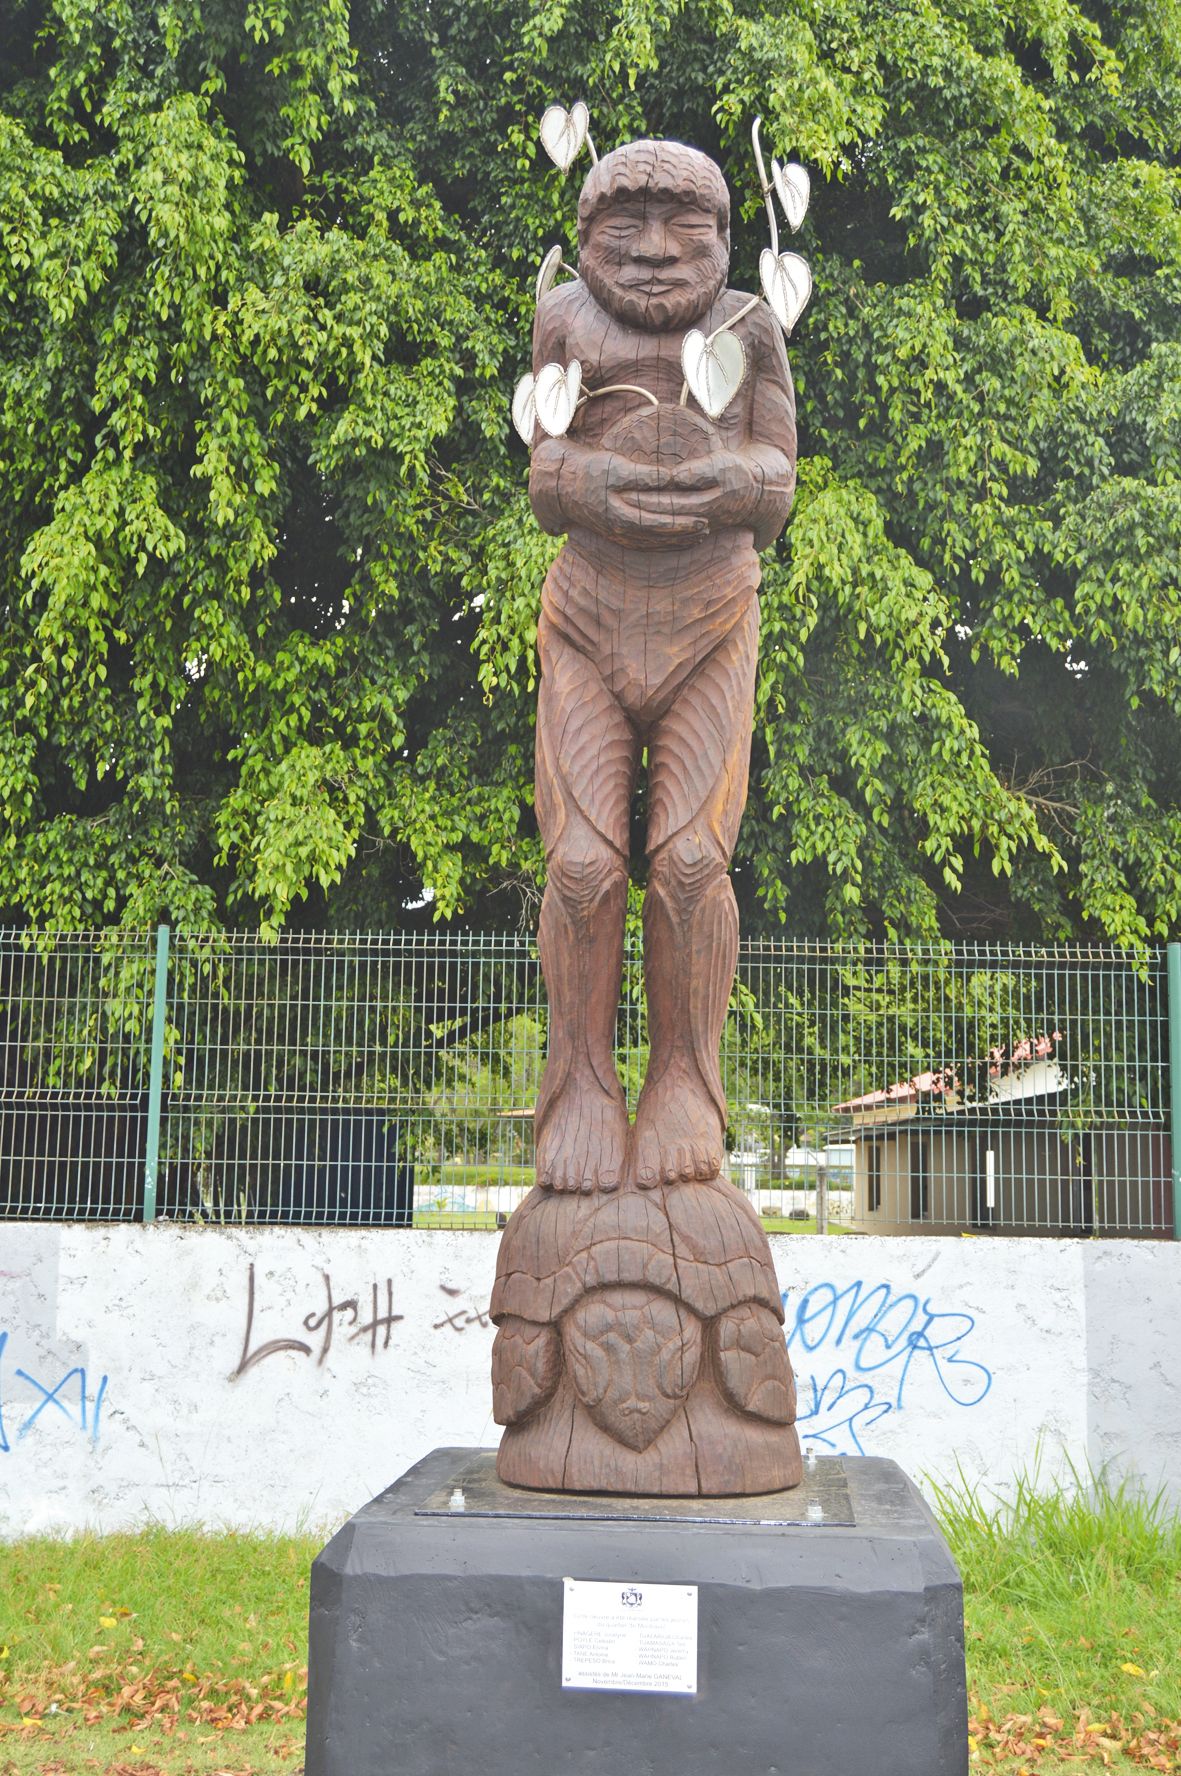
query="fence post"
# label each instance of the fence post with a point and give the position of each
(1174, 954)
(156, 1077)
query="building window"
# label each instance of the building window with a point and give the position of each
(875, 1177)
(920, 1195)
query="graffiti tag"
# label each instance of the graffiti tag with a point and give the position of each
(463, 1317)
(345, 1312)
(885, 1339)
(69, 1396)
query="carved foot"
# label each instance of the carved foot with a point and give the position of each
(583, 1138)
(678, 1132)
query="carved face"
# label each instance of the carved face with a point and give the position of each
(633, 1355)
(655, 262)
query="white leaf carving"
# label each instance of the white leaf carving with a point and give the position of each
(787, 285)
(550, 267)
(564, 133)
(793, 188)
(555, 396)
(525, 407)
(715, 369)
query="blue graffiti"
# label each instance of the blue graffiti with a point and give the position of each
(77, 1408)
(885, 1338)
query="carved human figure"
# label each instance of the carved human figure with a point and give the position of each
(647, 640)
(639, 1344)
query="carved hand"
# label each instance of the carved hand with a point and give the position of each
(572, 484)
(724, 488)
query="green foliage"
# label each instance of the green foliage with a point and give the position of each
(267, 570)
(1070, 1598)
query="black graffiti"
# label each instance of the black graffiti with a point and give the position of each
(326, 1320)
(323, 1323)
(379, 1322)
(463, 1317)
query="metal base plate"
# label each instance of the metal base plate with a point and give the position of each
(821, 1501)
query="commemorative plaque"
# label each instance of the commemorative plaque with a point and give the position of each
(628, 1636)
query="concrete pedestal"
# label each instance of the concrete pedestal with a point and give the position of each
(828, 1646)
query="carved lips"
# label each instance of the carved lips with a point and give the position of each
(714, 368)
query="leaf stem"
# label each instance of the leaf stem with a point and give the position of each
(620, 388)
(765, 184)
(734, 318)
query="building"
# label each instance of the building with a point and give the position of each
(930, 1159)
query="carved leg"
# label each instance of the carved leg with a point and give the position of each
(698, 761)
(586, 759)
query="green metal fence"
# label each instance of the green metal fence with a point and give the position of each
(389, 1079)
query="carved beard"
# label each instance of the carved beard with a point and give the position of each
(665, 313)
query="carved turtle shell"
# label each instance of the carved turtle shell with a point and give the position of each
(702, 1244)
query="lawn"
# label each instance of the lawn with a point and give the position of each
(174, 1653)
(485, 1219)
(459, 1176)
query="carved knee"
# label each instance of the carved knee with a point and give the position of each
(584, 871)
(686, 867)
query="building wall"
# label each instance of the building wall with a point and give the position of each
(1115, 1181)
(279, 1376)
(1132, 1179)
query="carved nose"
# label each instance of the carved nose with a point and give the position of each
(652, 247)
(634, 1405)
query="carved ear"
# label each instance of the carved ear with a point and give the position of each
(680, 1359)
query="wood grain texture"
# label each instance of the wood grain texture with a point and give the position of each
(666, 1371)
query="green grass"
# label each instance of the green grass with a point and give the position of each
(474, 1220)
(461, 1175)
(485, 1219)
(1072, 1602)
(175, 1653)
(455, 1174)
(784, 1224)
(166, 1641)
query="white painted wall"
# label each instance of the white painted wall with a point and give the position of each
(129, 1389)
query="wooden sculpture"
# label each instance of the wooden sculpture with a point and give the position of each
(640, 1345)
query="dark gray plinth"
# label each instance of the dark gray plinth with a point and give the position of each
(823, 1649)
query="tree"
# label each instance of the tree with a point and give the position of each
(267, 568)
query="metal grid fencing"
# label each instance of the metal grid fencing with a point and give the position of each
(388, 1079)
(957, 1089)
(75, 1047)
